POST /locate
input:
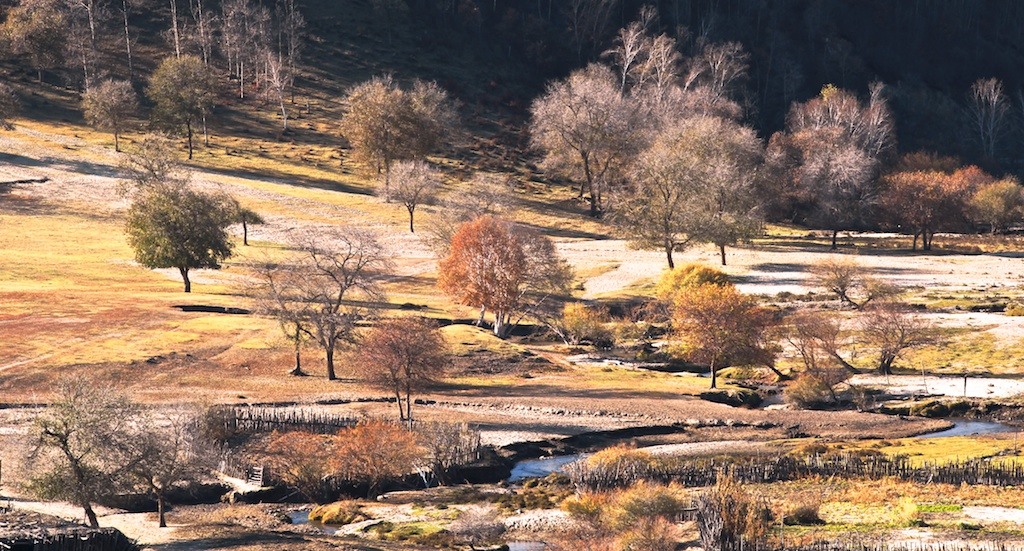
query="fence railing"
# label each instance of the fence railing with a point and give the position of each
(103, 539)
(782, 468)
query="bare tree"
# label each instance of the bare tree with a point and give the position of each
(988, 110)
(332, 285)
(275, 291)
(153, 161)
(694, 184)
(125, 13)
(850, 283)
(403, 355)
(485, 193)
(175, 22)
(820, 338)
(109, 105)
(85, 445)
(816, 338)
(172, 451)
(414, 183)
(892, 329)
(588, 22)
(630, 49)
(587, 130)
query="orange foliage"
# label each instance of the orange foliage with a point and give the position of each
(299, 459)
(404, 354)
(495, 265)
(486, 265)
(717, 326)
(928, 194)
(374, 451)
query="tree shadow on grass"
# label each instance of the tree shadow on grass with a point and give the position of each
(288, 179)
(87, 168)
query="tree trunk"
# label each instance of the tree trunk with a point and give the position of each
(408, 406)
(161, 508)
(480, 320)
(835, 233)
(501, 325)
(127, 40)
(284, 111)
(206, 133)
(668, 254)
(184, 277)
(721, 252)
(188, 128)
(885, 365)
(398, 401)
(245, 232)
(297, 371)
(174, 30)
(714, 376)
(117, 141)
(913, 247)
(411, 209)
(330, 364)
(90, 515)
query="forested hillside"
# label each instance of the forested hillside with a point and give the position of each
(499, 52)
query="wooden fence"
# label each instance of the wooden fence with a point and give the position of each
(254, 420)
(103, 539)
(881, 546)
(782, 468)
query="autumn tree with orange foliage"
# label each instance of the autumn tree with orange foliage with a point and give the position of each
(928, 193)
(503, 268)
(718, 326)
(403, 355)
(374, 451)
(300, 460)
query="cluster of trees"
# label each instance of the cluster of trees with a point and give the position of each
(656, 140)
(714, 325)
(247, 41)
(93, 442)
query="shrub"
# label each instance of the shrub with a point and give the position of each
(374, 451)
(908, 513)
(1014, 309)
(656, 534)
(730, 518)
(739, 397)
(930, 408)
(478, 526)
(808, 391)
(584, 323)
(301, 460)
(684, 277)
(804, 511)
(645, 502)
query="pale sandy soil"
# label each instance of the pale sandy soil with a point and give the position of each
(917, 385)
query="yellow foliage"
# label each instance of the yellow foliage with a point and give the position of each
(687, 276)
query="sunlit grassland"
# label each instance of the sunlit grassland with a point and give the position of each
(1000, 448)
(70, 290)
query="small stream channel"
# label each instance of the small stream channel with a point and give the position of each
(541, 467)
(538, 468)
(968, 427)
